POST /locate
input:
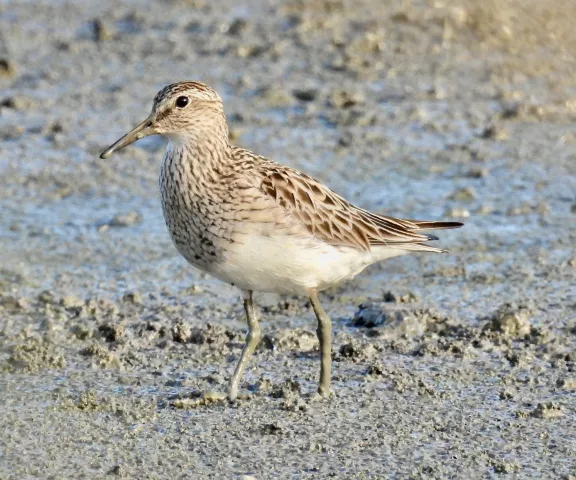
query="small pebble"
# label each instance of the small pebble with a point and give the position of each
(465, 194)
(306, 95)
(547, 411)
(127, 219)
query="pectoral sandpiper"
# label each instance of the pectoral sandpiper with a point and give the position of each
(257, 224)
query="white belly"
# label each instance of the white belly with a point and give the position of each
(293, 265)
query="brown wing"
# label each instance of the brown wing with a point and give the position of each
(334, 220)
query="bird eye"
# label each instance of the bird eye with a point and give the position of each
(181, 102)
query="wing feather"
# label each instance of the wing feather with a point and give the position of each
(333, 219)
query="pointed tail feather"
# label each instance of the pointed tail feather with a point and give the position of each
(426, 225)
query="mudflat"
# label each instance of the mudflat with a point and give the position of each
(444, 366)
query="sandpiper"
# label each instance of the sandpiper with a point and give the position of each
(259, 225)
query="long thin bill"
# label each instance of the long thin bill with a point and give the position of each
(141, 131)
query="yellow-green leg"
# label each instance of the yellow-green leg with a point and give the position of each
(324, 332)
(252, 340)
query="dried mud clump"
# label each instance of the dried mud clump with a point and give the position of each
(298, 339)
(547, 411)
(418, 331)
(14, 303)
(7, 67)
(424, 331)
(566, 383)
(511, 321)
(288, 389)
(127, 409)
(287, 306)
(182, 332)
(111, 332)
(350, 350)
(271, 429)
(392, 323)
(408, 297)
(101, 356)
(35, 355)
(291, 394)
(345, 99)
(214, 336)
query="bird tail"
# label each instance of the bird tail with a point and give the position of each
(426, 225)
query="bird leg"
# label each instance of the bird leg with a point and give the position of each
(252, 340)
(324, 332)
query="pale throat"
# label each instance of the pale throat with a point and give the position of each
(199, 152)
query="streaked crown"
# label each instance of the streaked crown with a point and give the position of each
(194, 90)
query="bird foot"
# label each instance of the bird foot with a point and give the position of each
(215, 396)
(319, 397)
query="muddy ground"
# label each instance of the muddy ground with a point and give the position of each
(445, 366)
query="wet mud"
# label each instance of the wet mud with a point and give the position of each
(444, 366)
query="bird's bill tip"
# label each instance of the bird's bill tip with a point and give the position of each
(144, 129)
(104, 155)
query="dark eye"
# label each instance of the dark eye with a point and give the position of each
(181, 102)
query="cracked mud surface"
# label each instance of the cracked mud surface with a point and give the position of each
(444, 366)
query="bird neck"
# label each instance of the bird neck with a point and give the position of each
(203, 150)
